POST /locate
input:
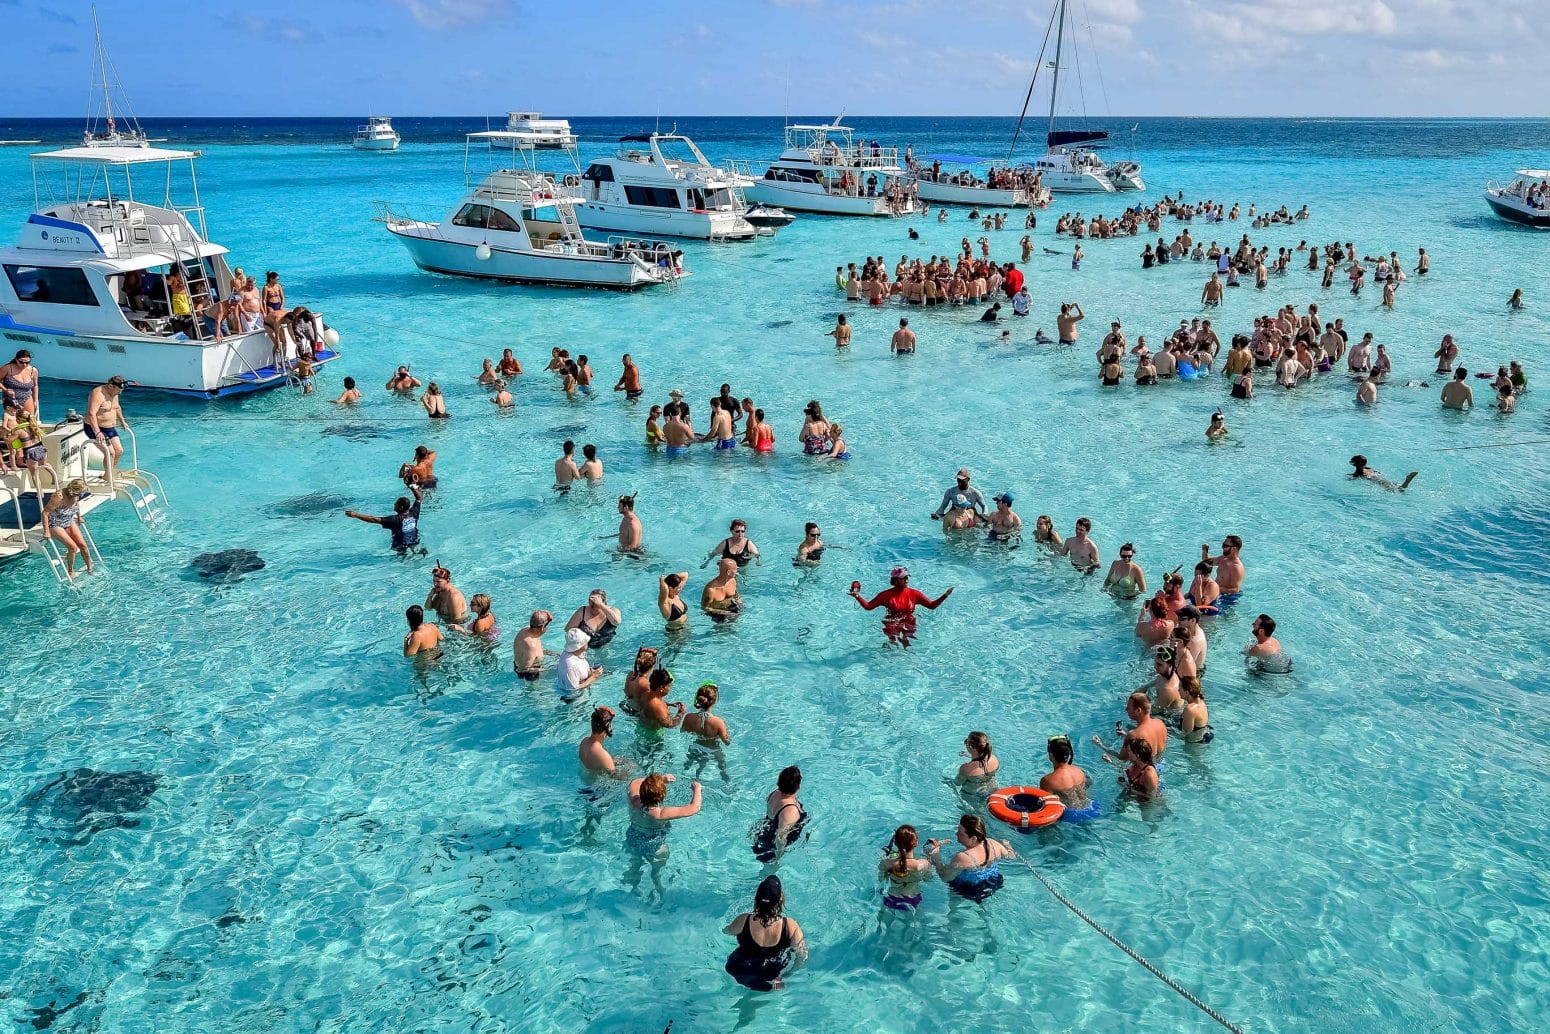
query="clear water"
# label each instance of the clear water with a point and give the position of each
(339, 841)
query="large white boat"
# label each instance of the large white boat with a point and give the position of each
(1070, 165)
(661, 184)
(113, 273)
(518, 224)
(545, 132)
(1525, 200)
(377, 134)
(824, 170)
(957, 179)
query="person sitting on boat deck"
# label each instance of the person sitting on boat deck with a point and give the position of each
(350, 395)
(1360, 469)
(403, 522)
(527, 647)
(899, 601)
(574, 673)
(597, 619)
(591, 751)
(784, 817)
(402, 382)
(104, 416)
(973, 871)
(508, 365)
(902, 872)
(1138, 708)
(977, 775)
(719, 599)
(769, 944)
(961, 487)
(1003, 524)
(423, 637)
(422, 471)
(19, 379)
(737, 547)
(445, 598)
(1064, 779)
(650, 819)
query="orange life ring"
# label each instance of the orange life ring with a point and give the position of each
(1026, 807)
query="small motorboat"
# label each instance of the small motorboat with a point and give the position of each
(1525, 200)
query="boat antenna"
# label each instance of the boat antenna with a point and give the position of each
(1028, 99)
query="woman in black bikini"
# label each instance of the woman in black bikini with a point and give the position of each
(597, 619)
(674, 610)
(736, 546)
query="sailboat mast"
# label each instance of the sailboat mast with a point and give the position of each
(1054, 90)
(102, 70)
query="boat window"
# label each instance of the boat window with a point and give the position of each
(501, 221)
(56, 286)
(471, 215)
(652, 197)
(599, 173)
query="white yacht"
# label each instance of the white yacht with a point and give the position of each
(1525, 200)
(952, 179)
(546, 132)
(113, 273)
(377, 134)
(519, 225)
(661, 184)
(823, 170)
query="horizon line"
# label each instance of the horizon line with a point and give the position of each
(848, 117)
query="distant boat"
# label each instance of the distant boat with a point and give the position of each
(550, 133)
(18, 143)
(377, 134)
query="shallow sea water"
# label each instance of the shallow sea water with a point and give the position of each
(339, 841)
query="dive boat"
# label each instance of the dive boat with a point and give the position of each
(519, 225)
(1525, 200)
(377, 134)
(545, 132)
(996, 185)
(115, 275)
(823, 170)
(661, 184)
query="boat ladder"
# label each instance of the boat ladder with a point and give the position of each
(136, 486)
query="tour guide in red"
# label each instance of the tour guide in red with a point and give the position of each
(900, 600)
(1014, 280)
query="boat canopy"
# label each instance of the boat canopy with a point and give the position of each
(954, 159)
(1067, 137)
(1533, 174)
(130, 155)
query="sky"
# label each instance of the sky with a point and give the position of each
(769, 57)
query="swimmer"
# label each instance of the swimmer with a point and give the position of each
(1082, 550)
(719, 598)
(722, 430)
(1457, 394)
(565, 469)
(1506, 401)
(737, 547)
(1148, 729)
(1070, 315)
(575, 673)
(424, 638)
(1041, 338)
(1360, 470)
(1515, 303)
(402, 382)
(631, 533)
(1044, 534)
(502, 398)
(482, 623)
(899, 601)
(836, 447)
(1266, 648)
(508, 366)
(973, 872)
(591, 752)
(841, 332)
(1229, 567)
(654, 712)
(435, 402)
(1140, 778)
(487, 375)
(903, 341)
(678, 433)
(527, 647)
(977, 775)
(421, 470)
(1196, 720)
(629, 382)
(591, 469)
(445, 598)
(1164, 687)
(350, 395)
(902, 872)
(1203, 590)
(784, 817)
(759, 434)
(961, 487)
(1153, 625)
(1192, 638)
(768, 942)
(654, 427)
(1064, 779)
(709, 730)
(637, 681)
(596, 619)
(1367, 391)
(1125, 579)
(669, 602)
(810, 549)
(1217, 430)
(650, 818)
(1004, 524)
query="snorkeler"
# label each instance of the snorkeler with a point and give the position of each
(591, 752)
(900, 600)
(1360, 469)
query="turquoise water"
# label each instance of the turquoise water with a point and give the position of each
(340, 841)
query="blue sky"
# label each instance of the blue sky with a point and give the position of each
(878, 57)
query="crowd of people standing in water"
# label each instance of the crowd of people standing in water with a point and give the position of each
(1173, 625)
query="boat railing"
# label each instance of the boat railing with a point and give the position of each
(660, 257)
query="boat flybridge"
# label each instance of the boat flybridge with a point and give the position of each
(661, 184)
(518, 224)
(824, 170)
(1525, 200)
(377, 134)
(1071, 165)
(113, 274)
(958, 179)
(546, 132)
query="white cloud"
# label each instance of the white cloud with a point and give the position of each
(446, 14)
(1265, 21)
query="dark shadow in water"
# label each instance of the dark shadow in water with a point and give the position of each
(84, 802)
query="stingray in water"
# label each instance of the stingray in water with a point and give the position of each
(227, 565)
(313, 504)
(355, 432)
(87, 801)
(777, 324)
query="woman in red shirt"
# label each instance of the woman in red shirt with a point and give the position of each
(900, 601)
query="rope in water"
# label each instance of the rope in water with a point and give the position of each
(1128, 950)
(1495, 445)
